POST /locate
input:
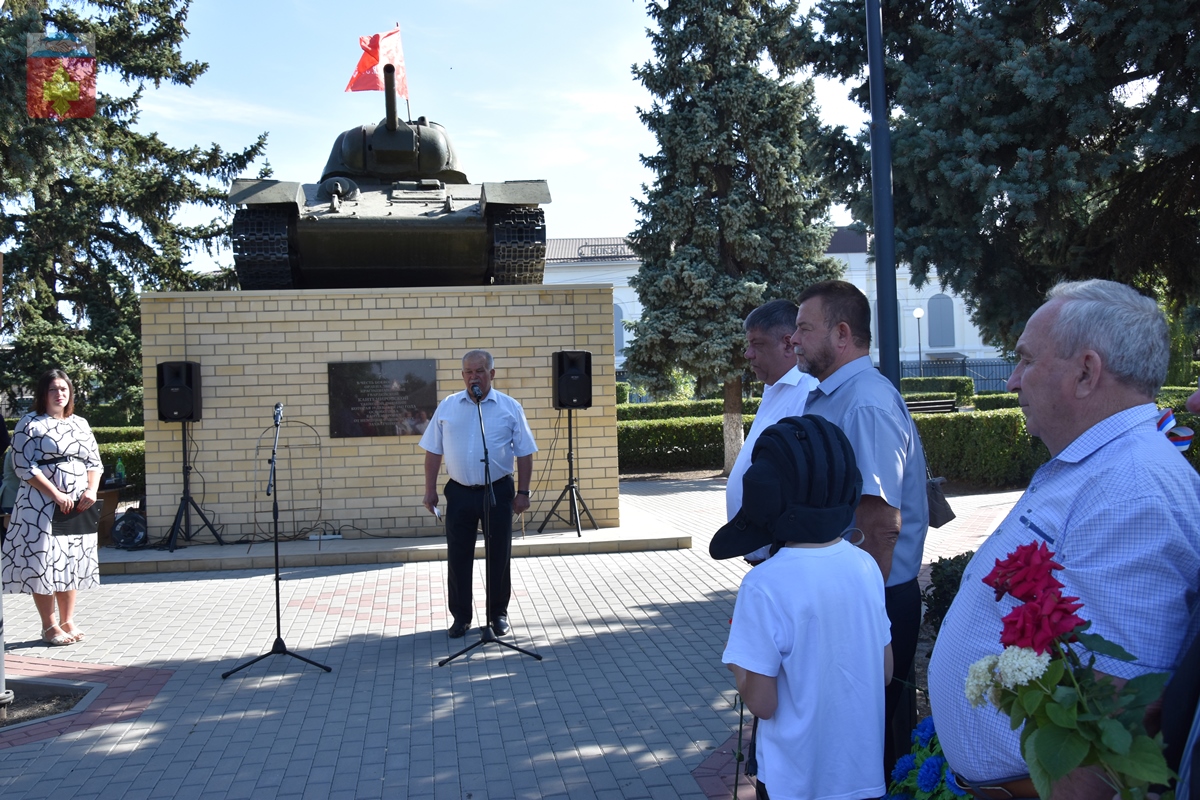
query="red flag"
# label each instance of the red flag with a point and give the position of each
(60, 76)
(378, 50)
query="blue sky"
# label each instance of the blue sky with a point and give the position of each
(539, 89)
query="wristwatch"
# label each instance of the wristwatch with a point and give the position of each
(523, 491)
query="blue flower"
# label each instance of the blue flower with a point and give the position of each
(953, 784)
(931, 773)
(903, 766)
(923, 733)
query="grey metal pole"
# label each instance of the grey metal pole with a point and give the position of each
(6, 695)
(881, 200)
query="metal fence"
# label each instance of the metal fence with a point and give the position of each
(990, 374)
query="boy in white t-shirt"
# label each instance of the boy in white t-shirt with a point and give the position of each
(810, 641)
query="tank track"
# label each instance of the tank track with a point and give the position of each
(518, 246)
(260, 248)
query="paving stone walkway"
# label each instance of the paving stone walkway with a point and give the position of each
(629, 701)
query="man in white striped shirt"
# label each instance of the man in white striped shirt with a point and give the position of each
(454, 434)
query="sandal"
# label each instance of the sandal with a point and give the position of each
(75, 633)
(62, 638)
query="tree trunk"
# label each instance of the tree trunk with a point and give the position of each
(734, 436)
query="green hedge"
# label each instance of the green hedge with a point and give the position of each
(990, 402)
(681, 409)
(929, 396)
(107, 417)
(114, 435)
(622, 393)
(673, 444)
(133, 458)
(987, 448)
(962, 387)
(990, 448)
(1175, 397)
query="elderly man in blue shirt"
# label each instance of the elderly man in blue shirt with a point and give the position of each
(1117, 504)
(454, 434)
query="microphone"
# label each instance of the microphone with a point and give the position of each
(477, 392)
(278, 413)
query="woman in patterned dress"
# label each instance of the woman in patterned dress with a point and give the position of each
(56, 458)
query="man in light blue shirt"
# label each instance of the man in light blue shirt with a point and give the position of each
(454, 434)
(832, 342)
(1117, 504)
(769, 350)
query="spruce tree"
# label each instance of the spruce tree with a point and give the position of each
(736, 214)
(89, 204)
(1034, 141)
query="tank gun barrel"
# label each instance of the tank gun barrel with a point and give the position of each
(389, 92)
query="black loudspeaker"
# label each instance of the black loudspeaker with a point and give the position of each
(179, 391)
(572, 379)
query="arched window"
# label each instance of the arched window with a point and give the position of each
(941, 321)
(618, 331)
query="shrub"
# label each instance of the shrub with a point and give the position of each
(1190, 421)
(963, 387)
(990, 402)
(622, 393)
(678, 409)
(1175, 397)
(133, 458)
(945, 576)
(108, 417)
(672, 444)
(987, 448)
(113, 435)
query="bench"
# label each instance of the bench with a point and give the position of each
(931, 406)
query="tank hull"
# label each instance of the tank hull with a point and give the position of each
(406, 233)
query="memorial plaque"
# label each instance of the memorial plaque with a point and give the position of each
(381, 398)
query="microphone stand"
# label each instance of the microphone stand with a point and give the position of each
(486, 634)
(279, 648)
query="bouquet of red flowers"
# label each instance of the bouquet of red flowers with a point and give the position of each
(1073, 716)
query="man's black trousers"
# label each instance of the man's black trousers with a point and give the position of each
(904, 610)
(465, 507)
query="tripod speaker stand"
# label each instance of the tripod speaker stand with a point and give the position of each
(279, 648)
(183, 516)
(571, 489)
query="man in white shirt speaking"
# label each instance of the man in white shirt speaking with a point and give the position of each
(454, 434)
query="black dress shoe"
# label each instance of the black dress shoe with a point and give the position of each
(458, 630)
(500, 626)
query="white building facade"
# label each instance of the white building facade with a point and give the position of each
(943, 333)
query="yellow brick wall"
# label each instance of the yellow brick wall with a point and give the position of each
(256, 349)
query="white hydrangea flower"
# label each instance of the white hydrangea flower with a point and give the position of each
(1018, 666)
(979, 679)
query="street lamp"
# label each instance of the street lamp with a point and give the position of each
(919, 312)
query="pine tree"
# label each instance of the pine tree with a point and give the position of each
(89, 203)
(736, 214)
(1034, 141)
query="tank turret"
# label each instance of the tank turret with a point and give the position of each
(392, 209)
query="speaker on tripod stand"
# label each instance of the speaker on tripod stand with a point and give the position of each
(179, 401)
(572, 390)
(179, 391)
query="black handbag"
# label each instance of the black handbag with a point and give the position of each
(940, 511)
(77, 522)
